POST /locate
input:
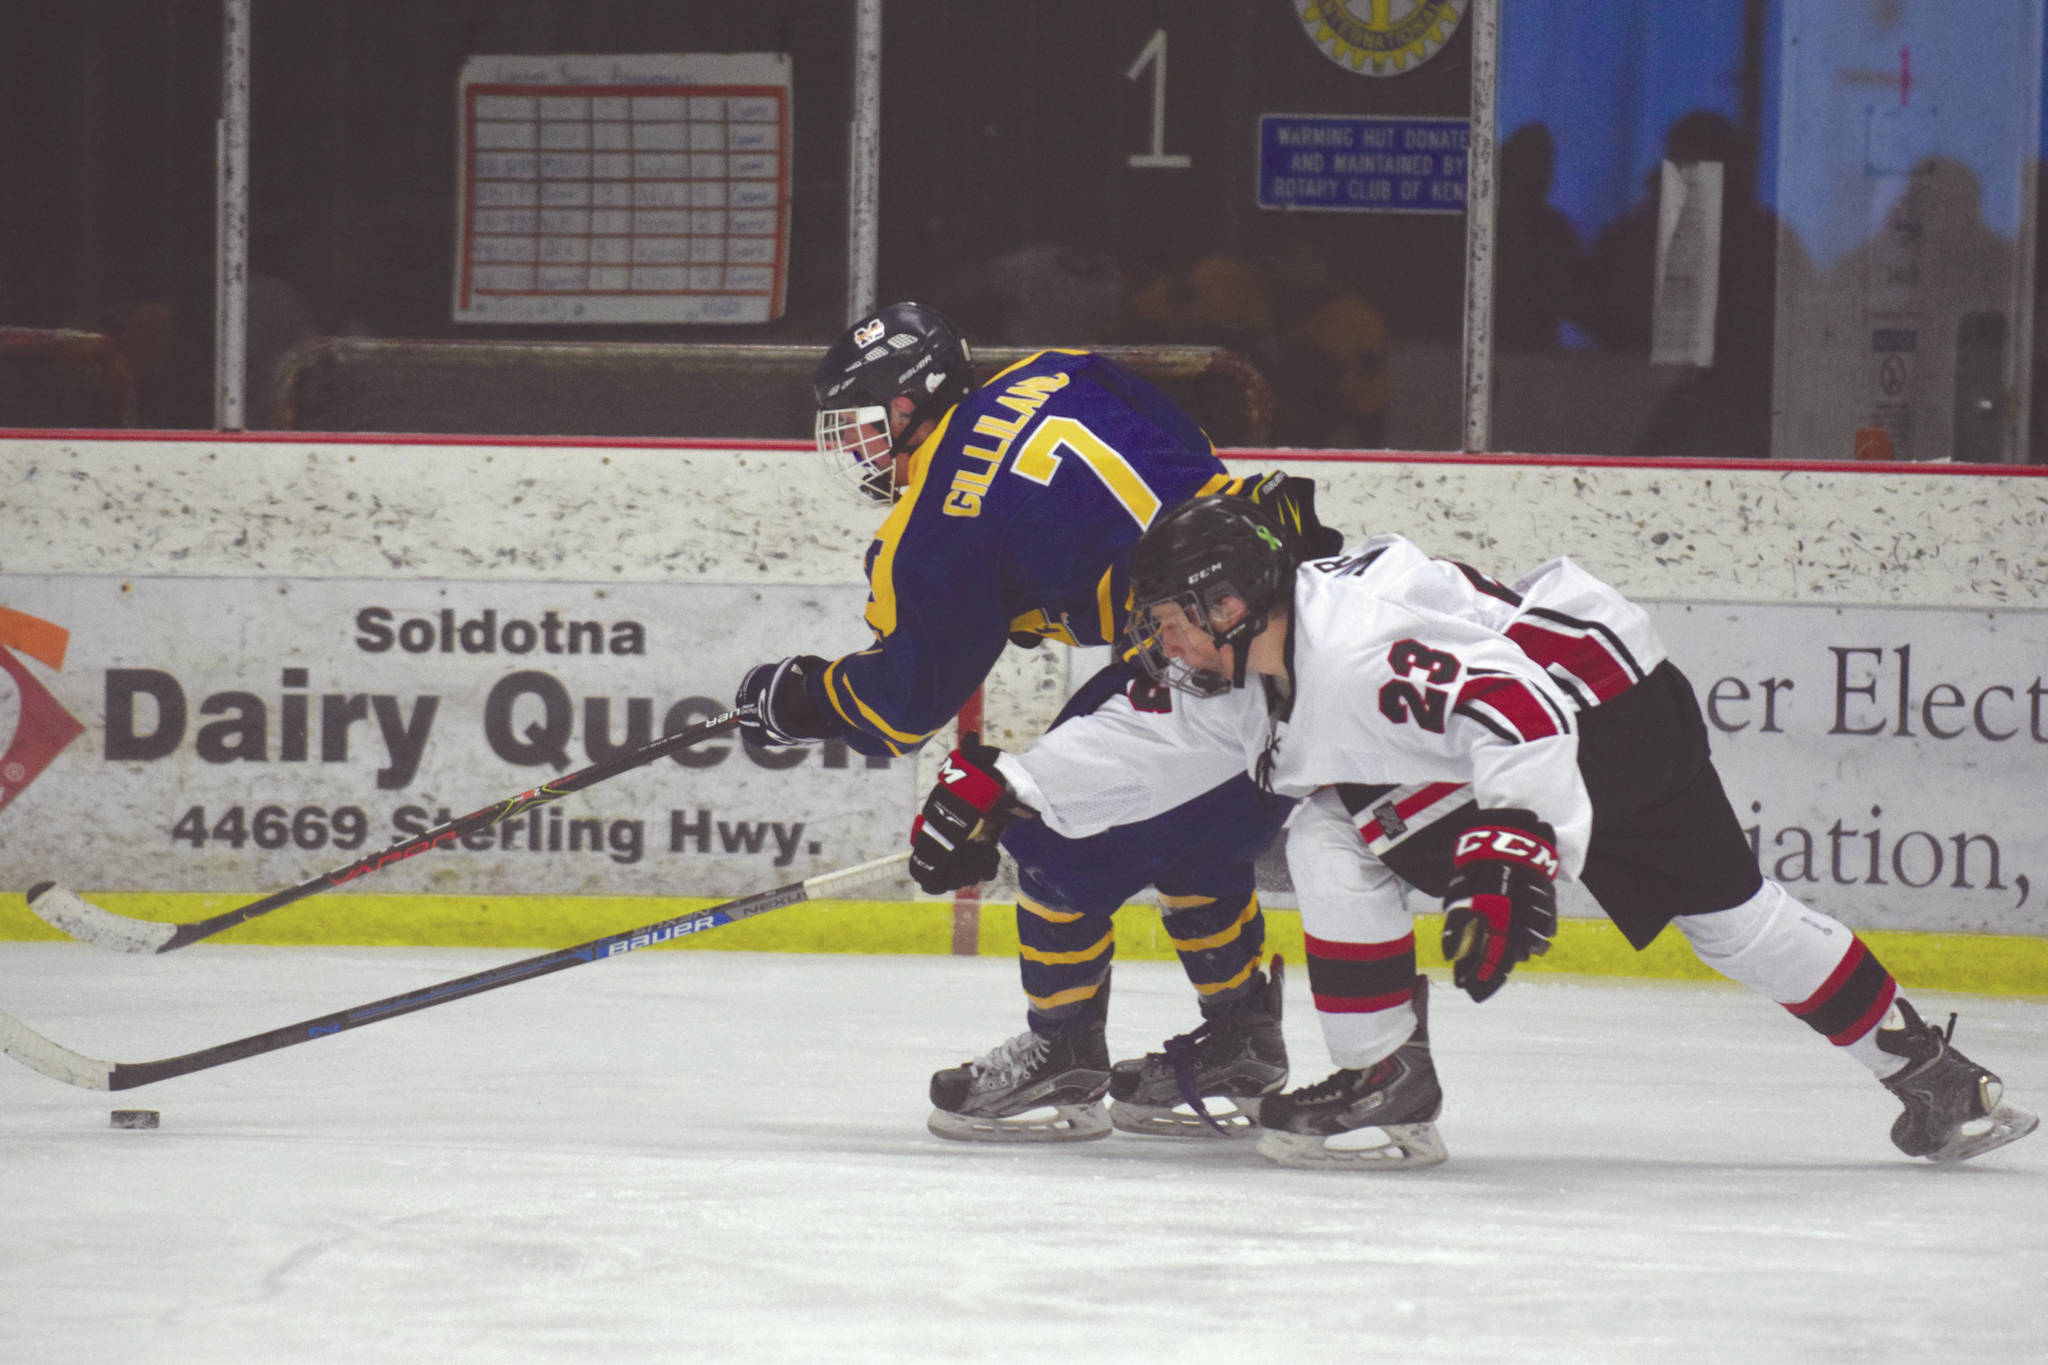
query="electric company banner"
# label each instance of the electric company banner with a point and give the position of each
(242, 734)
(1888, 762)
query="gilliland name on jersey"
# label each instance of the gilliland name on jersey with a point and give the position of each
(1025, 398)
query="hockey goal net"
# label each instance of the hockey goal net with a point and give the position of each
(626, 389)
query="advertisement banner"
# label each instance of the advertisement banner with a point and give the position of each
(242, 734)
(1887, 762)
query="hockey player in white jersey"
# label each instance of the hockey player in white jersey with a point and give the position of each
(1456, 736)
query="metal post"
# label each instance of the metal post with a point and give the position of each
(864, 161)
(231, 221)
(2020, 353)
(1481, 165)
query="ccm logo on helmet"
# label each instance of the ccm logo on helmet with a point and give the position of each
(869, 333)
(1494, 842)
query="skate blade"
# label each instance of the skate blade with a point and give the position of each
(2005, 1123)
(1241, 1120)
(1395, 1147)
(1047, 1123)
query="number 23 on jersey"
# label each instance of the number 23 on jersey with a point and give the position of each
(1419, 692)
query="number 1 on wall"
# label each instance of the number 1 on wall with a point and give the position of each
(1153, 54)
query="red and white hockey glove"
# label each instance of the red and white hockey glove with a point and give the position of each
(1500, 908)
(953, 843)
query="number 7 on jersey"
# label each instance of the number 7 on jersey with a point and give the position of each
(1039, 460)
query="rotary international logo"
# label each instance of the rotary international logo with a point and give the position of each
(1380, 37)
(40, 726)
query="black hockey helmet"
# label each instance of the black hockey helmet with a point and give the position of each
(1187, 564)
(905, 350)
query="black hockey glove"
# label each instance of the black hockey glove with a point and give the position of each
(1500, 908)
(953, 843)
(1290, 500)
(783, 711)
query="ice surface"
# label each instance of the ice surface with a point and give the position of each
(722, 1157)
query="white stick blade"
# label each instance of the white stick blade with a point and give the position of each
(859, 872)
(54, 1060)
(103, 928)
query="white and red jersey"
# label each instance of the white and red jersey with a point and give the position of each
(1411, 672)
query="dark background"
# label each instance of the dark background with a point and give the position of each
(1006, 135)
(1007, 200)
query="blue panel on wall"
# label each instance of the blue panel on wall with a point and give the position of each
(1362, 165)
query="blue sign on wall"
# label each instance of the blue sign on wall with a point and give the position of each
(1362, 165)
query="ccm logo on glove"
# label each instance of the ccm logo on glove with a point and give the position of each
(1500, 907)
(1511, 844)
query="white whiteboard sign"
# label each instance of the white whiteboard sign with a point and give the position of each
(645, 188)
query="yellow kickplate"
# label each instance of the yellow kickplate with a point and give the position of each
(1984, 964)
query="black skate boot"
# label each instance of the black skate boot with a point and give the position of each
(1030, 1089)
(1955, 1109)
(1382, 1117)
(1237, 1056)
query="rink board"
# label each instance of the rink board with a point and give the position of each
(1869, 644)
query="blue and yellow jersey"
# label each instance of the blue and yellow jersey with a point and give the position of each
(1019, 518)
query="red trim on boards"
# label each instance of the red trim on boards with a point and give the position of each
(1250, 455)
(383, 438)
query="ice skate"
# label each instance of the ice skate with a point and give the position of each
(1955, 1109)
(1030, 1089)
(1208, 1083)
(1379, 1118)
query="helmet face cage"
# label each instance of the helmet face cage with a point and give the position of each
(858, 450)
(1191, 561)
(904, 351)
(1195, 610)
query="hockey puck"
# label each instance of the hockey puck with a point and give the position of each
(135, 1118)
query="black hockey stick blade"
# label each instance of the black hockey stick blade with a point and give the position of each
(80, 918)
(58, 1062)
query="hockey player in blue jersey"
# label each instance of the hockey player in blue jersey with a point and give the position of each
(1016, 506)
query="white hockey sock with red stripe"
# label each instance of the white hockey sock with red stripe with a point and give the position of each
(1813, 965)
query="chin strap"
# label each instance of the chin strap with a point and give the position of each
(1239, 637)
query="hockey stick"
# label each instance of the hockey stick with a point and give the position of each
(60, 1063)
(81, 919)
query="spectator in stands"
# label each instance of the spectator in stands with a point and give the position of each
(1722, 409)
(1539, 266)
